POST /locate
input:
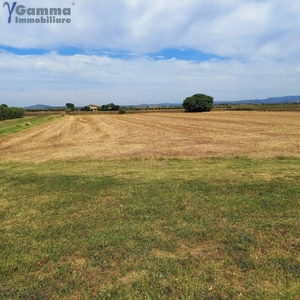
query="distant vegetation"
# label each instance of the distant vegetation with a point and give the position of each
(165, 107)
(271, 100)
(110, 106)
(10, 112)
(259, 107)
(85, 108)
(198, 103)
(70, 106)
(105, 107)
(122, 110)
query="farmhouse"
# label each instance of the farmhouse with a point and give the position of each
(93, 107)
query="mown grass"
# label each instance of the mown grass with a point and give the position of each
(150, 229)
(13, 126)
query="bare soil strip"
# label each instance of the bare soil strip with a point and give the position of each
(254, 134)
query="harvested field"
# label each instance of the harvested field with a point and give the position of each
(254, 134)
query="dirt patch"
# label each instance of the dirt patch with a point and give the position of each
(133, 277)
(254, 134)
(162, 254)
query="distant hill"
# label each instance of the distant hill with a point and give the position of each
(44, 107)
(39, 106)
(272, 100)
(157, 104)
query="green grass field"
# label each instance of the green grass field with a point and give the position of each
(225, 228)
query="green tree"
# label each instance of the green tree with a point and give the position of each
(198, 103)
(85, 108)
(70, 106)
(10, 112)
(110, 106)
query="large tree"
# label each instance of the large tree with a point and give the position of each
(198, 103)
(70, 106)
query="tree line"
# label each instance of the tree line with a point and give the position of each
(10, 112)
(105, 107)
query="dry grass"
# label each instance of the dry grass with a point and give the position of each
(254, 134)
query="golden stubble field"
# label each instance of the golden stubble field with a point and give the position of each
(253, 134)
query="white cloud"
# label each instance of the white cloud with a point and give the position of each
(227, 28)
(260, 38)
(85, 79)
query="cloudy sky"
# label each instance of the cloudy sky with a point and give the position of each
(148, 51)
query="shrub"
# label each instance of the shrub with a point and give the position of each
(122, 110)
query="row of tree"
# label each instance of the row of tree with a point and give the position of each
(105, 107)
(10, 112)
(195, 103)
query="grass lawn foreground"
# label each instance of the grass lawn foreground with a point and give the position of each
(211, 228)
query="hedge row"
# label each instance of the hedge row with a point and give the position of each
(10, 112)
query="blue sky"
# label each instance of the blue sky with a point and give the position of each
(170, 53)
(139, 51)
